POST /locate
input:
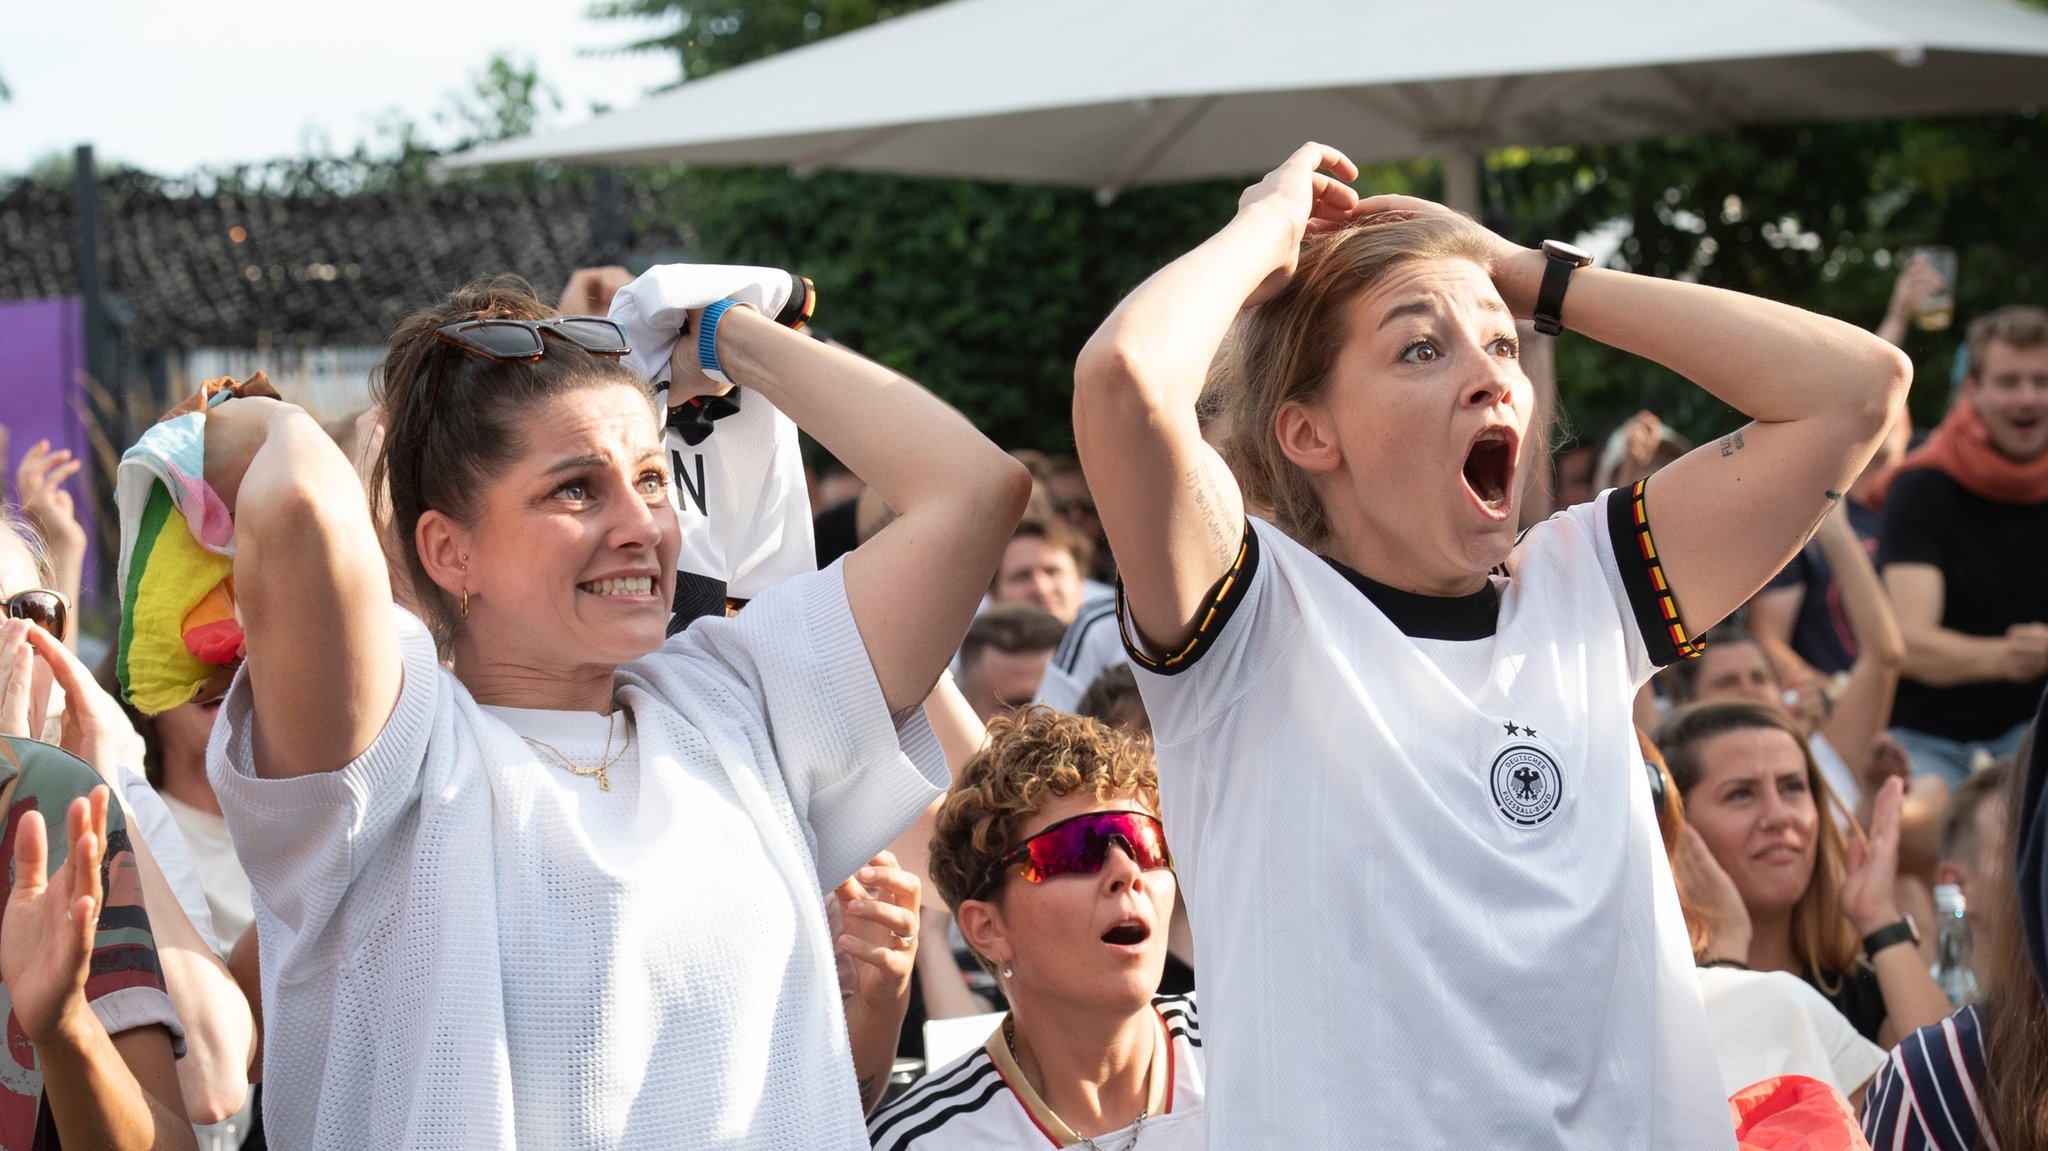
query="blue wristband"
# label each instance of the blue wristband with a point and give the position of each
(707, 339)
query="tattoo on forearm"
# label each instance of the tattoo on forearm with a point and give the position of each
(1209, 505)
(867, 1084)
(1833, 497)
(1730, 444)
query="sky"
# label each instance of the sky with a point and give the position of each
(170, 85)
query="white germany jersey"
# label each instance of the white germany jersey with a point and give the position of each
(1416, 841)
(981, 1102)
(745, 510)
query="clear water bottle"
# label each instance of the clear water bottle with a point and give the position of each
(1952, 947)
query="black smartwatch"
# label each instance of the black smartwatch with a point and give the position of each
(1903, 931)
(1561, 261)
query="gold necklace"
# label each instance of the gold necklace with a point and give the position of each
(607, 759)
(1144, 1109)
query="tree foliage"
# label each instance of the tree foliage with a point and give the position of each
(706, 37)
(985, 292)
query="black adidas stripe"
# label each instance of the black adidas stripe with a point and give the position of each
(1068, 654)
(977, 1079)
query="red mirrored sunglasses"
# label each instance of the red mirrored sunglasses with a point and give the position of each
(1079, 846)
(47, 609)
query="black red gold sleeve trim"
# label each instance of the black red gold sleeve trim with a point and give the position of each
(1221, 605)
(1642, 576)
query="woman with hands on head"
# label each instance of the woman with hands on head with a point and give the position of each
(1781, 886)
(1418, 725)
(576, 878)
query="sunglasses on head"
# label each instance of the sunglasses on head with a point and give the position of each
(511, 340)
(521, 341)
(41, 606)
(1079, 846)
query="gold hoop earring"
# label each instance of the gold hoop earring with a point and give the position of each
(465, 605)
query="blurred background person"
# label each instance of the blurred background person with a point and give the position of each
(1004, 657)
(1973, 839)
(1067, 486)
(1822, 909)
(1979, 1078)
(47, 505)
(1764, 1023)
(1044, 566)
(1640, 448)
(1965, 537)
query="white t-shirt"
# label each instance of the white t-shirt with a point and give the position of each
(1424, 875)
(228, 898)
(464, 946)
(151, 815)
(982, 1102)
(745, 509)
(1770, 1023)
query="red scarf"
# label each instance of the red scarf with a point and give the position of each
(1960, 448)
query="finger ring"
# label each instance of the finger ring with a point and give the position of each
(905, 942)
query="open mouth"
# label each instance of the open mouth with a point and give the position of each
(1490, 467)
(1129, 933)
(631, 585)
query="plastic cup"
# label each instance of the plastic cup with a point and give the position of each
(1936, 312)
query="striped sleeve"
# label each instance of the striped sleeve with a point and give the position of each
(1223, 601)
(1926, 1096)
(1650, 596)
(1179, 1013)
(967, 1086)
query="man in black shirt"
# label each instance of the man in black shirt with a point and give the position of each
(1964, 547)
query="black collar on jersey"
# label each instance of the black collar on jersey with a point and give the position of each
(1452, 617)
(692, 418)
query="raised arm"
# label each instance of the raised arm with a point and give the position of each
(1172, 512)
(1863, 708)
(310, 585)
(1820, 392)
(101, 1090)
(915, 585)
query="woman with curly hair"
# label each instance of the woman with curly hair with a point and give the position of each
(1049, 849)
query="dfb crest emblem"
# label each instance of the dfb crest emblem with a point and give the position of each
(1527, 785)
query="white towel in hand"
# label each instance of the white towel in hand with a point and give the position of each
(654, 308)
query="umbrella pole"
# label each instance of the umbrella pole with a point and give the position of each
(1461, 180)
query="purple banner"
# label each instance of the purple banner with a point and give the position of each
(42, 397)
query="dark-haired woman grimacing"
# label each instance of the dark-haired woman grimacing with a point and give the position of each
(1395, 749)
(566, 894)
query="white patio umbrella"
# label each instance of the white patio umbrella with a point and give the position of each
(1107, 94)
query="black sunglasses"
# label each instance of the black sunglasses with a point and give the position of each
(508, 340)
(517, 341)
(43, 607)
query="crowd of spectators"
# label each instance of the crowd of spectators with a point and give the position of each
(587, 783)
